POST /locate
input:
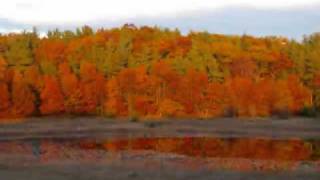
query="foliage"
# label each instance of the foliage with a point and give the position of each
(52, 100)
(152, 72)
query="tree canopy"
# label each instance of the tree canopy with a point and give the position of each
(154, 72)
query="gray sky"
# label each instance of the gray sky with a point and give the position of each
(291, 18)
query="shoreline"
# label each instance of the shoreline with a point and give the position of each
(96, 127)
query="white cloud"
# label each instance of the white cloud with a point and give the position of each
(37, 12)
(13, 30)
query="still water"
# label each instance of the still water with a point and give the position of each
(230, 153)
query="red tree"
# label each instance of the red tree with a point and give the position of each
(52, 101)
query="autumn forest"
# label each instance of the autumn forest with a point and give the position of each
(152, 72)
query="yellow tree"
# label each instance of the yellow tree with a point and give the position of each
(21, 96)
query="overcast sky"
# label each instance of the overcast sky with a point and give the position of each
(257, 17)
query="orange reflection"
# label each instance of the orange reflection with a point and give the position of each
(293, 150)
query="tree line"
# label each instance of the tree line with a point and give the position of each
(153, 73)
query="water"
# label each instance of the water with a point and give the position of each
(171, 152)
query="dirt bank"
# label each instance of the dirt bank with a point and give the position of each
(107, 128)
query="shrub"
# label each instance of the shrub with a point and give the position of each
(308, 111)
(230, 112)
(281, 113)
(134, 118)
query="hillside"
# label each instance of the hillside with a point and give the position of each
(154, 73)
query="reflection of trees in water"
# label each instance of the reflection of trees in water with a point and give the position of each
(215, 147)
(248, 148)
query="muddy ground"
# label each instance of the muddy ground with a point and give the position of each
(100, 128)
